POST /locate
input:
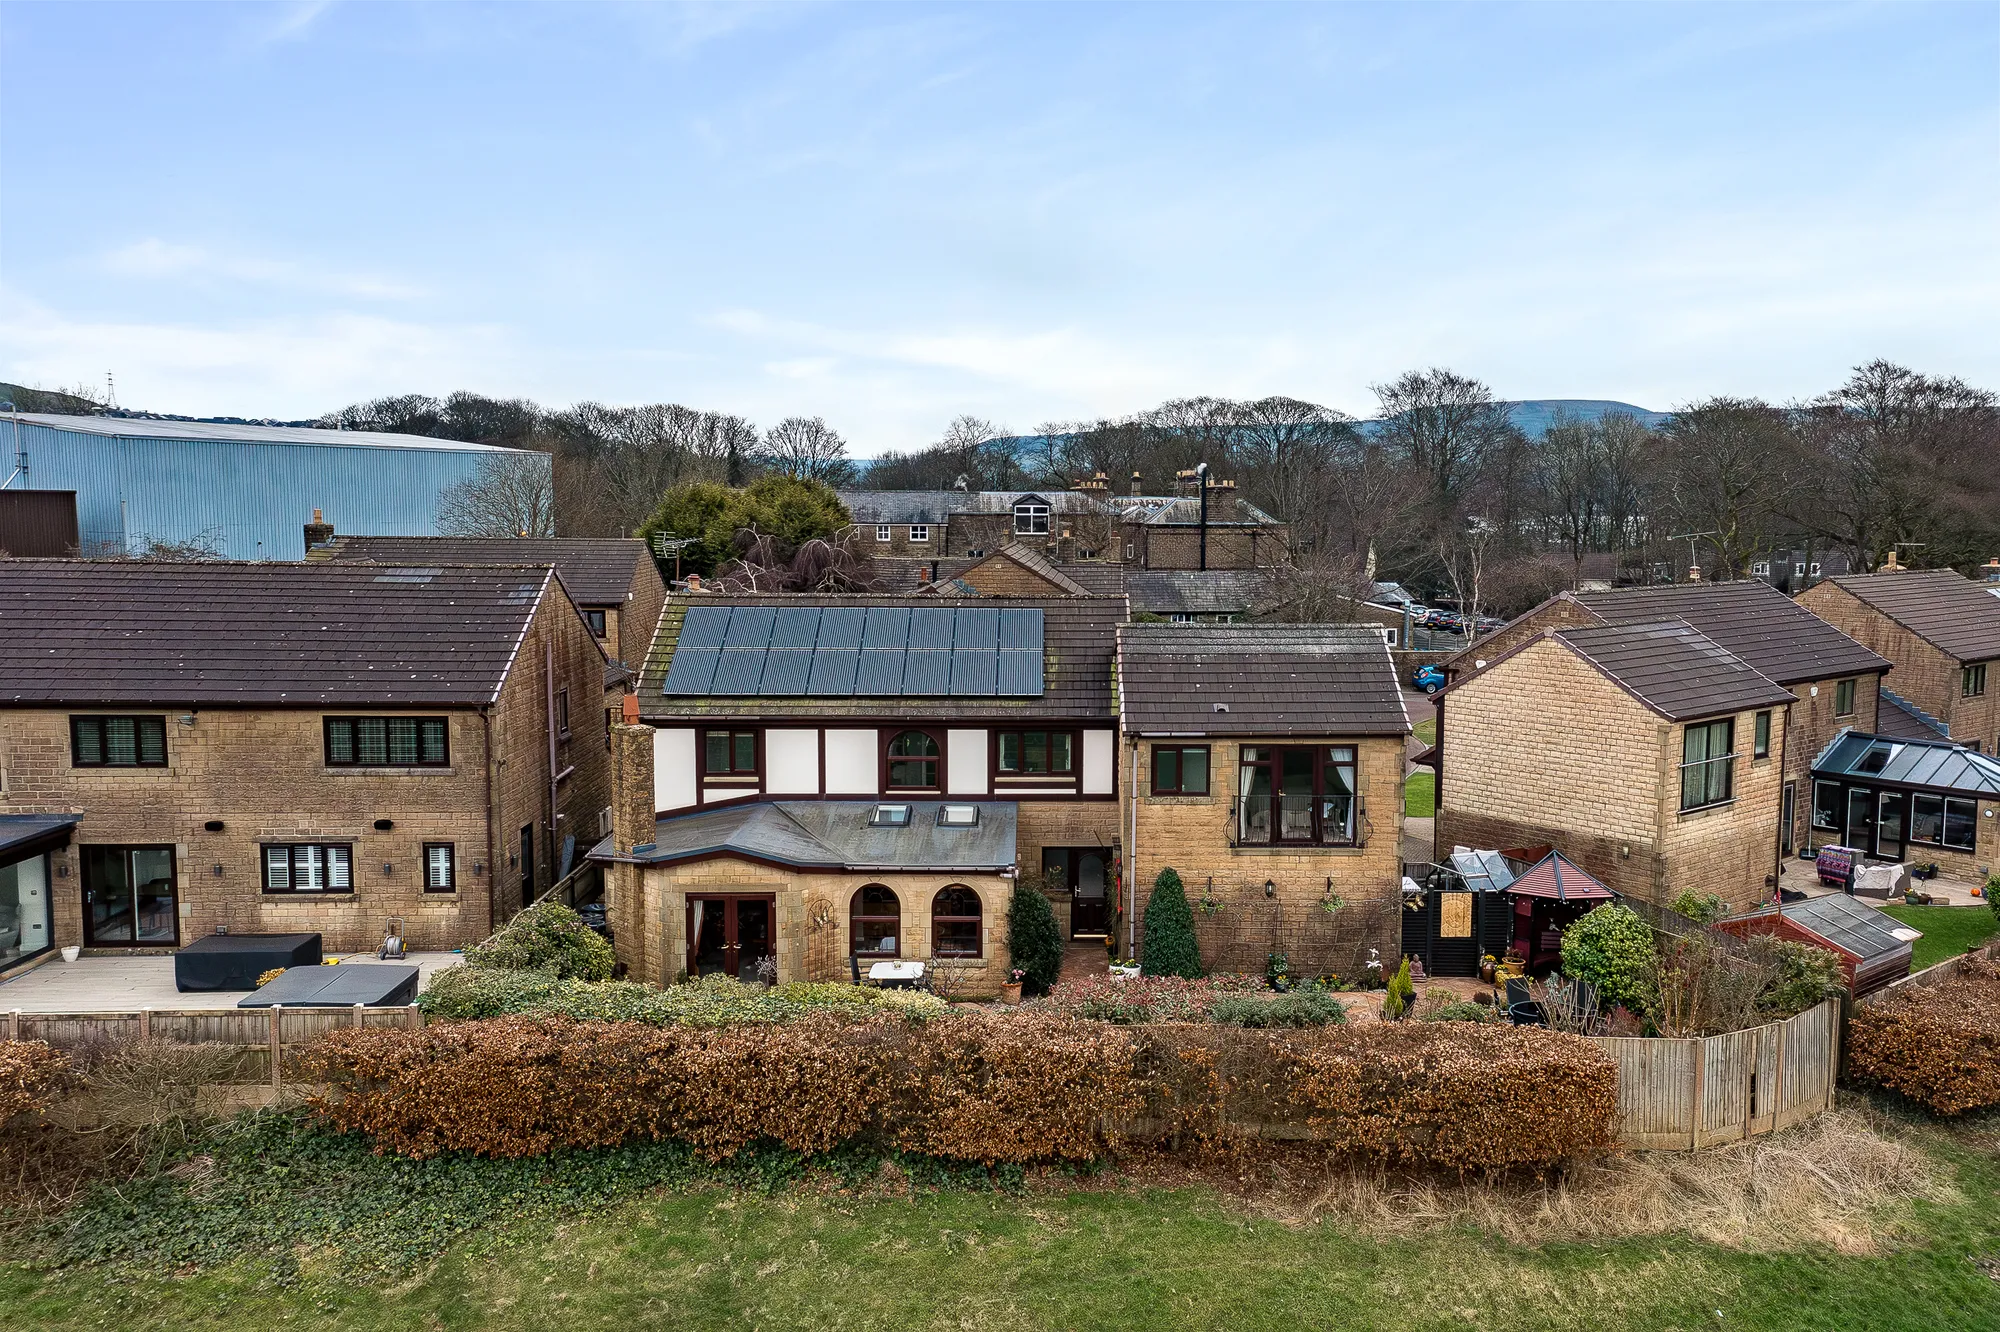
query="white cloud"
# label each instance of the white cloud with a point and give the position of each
(160, 260)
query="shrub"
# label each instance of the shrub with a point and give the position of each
(1170, 947)
(1703, 908)
(1401, 990)
(1805, 975)
(1034, 940)
(1463, 1010)
(1938, 1046)
(462, 993)
(1993, 893)
(1612, 949)
(33, 1076)
(550, 937)
(1299, 1008)
(1146, 999)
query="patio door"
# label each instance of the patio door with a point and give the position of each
(129, 897)
(729, 935)
(1860, 820)
(1889, 825)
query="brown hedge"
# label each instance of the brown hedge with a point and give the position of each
(1939, 1046)
(1020, 1088)
(33, 1075)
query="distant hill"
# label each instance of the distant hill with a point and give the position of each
(1532, 417)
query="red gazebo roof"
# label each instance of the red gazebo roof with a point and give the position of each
(1556, 876)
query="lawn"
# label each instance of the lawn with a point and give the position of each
(1420, 795)
(1948, 930)
(1427, 731)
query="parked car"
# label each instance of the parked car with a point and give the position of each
(1430, 679)
(1489, 623)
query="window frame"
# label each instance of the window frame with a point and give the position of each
(1323, 758)
(1839, 806)
(562, 712)
(1727, 759)
(595, 620)
(889, 739)
(920, 534)
(1944, 813)
(329, 721)
(885, 532)
(733, 773)
(977, 921)
(1972, 680)
(450, 850)
(291, 888)
(1844, 692)
(1760, 737)
(1033, 512)
(77, 721)
(1071, 773)
(854, 918)
(1180, 786)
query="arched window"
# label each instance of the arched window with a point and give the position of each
(875, 922)
(955, 922)
(913, 762)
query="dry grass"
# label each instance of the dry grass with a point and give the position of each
(1842, 1181)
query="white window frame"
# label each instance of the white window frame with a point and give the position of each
(919, 533)
(884, 532)
(1032, 514)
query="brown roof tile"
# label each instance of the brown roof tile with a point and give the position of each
(1754, 620)
(597, 571)
(1294, 679)
(1674, 669)
(1951, 612)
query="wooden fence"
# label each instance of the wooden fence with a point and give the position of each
(1688, 1094)
(268, 1031)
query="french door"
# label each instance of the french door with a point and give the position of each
(729, 935)
(129, 897)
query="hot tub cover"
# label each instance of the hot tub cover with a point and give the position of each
(235, 961)
(369, 983)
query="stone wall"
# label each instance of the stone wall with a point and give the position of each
(1923, 674)
(639, 617)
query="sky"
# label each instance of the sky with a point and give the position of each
(889, 215)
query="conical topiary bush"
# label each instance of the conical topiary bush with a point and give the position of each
(1170, 947)
(1034, 940)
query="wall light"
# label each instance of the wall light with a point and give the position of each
(383, 825)
(218, 871)
(1270, 888)
(387, 868)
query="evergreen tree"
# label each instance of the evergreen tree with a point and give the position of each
(1034, 940)
(1170, 946)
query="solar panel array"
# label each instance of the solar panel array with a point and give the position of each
(857, 651)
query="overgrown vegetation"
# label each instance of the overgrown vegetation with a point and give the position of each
(1170, 948)
(1229, 1000)
(724, 523)
(461, 993)
(546, 937)
(1938, 1045)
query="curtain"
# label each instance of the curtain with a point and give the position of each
(694, 937)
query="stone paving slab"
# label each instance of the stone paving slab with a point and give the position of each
(128, 984)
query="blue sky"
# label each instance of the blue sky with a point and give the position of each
(888, 215)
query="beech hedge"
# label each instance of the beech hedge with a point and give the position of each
(33, 1076)
(1939, 1046)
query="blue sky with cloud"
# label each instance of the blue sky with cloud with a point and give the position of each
(889, 215)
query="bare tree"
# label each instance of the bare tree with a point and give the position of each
(973, 451)
(511, 494)
(1444, 426)
(1722, 472)
(807, 448)
(1568, 475)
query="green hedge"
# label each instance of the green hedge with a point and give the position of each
(461, 993)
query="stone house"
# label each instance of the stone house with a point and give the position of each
(810, 749)
(1836, 681)
(1918, 799)
(1649, 754)
(612, 580)
(1264, 764)
(283, 747)
(1941, 630)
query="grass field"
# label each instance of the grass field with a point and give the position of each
(1420, 794)
(1427, 730)
(1948, 930)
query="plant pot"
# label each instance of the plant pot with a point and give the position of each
(1010, 993)
(1486, 972)
(71, 952)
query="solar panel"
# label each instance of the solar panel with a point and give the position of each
(1020, 673)
(785, 672)
(737, 671)
(976, 627)
(926, 672)
(704, 626)
(888, 627)
(840, 627)
(880, 673)
(796, 627)
(834, 669)
(931, 627)
(1021, 628)
(974, 672)
(750, 627)
(693, 671)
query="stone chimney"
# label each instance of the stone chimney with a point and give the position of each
(694, 582)
(1097, 487)
(1889, 565)
(319, 531)
(1991, 570)
(1187, 483)
(1138, 484)
(631, 780)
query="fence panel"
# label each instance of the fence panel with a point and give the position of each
(1654, 1107)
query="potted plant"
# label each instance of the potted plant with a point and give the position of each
(1124, 969)
(1487, 963)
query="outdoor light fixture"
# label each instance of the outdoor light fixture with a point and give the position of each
(218, 871)
(387, 868)
(213, 825)
(478, 868)
(383, 825)
(1270, 888)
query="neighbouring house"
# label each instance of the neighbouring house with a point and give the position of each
(1899, 798)
(31, 847)
(1265, 766)
(612, 580)
(1874, 949)
(1834, 679)
(283, 747)
(1192, 596)
(1793, 570)
(901, 744)
(1651, 755)
(1015, 570)
(1940, 629)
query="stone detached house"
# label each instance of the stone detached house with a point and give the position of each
(284, 747)
(1836, 682)
(1941, 630)
(612, 580)
(1649, 754)
(1265, 765)
(823, 778)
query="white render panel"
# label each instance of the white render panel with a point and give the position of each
(853, 765)
(791, 762)
(965, 762)
(673, 768)
(716, 795)
(1100, 762)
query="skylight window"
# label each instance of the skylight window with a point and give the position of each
(957, 816)
(890, 816)
(1877, 758)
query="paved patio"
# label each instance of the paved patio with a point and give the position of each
(128, 984)
(1799, 876)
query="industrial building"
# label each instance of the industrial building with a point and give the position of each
(241, 492)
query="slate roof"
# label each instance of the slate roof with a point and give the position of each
(1224, 510)
(1897, 716)
(1935, 765)
(128, 632)
(1751, 618)
(20, 833)
(1292, 679)
(1950, 612)
(597, 571)
(1079, 642)
(895, 576)
(1196, 592)
(836, 835)
(1674, 669)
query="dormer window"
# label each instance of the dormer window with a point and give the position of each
(1031, 518)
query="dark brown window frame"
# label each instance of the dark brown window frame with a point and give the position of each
(889, 737)
(854, 918)
(977, 921)
(562, 712)
(75, 747)
(1071, 774)
(1726, 760)
(451, 862)
(1321, 761)
(1972, 680)
(1844, 694)
(84, 852)
(595, 620)
(1760, 736)
(732, 772)
(264, 850)
(327, 723)
(1180, 786)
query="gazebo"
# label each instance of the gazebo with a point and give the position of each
(1547, 896)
